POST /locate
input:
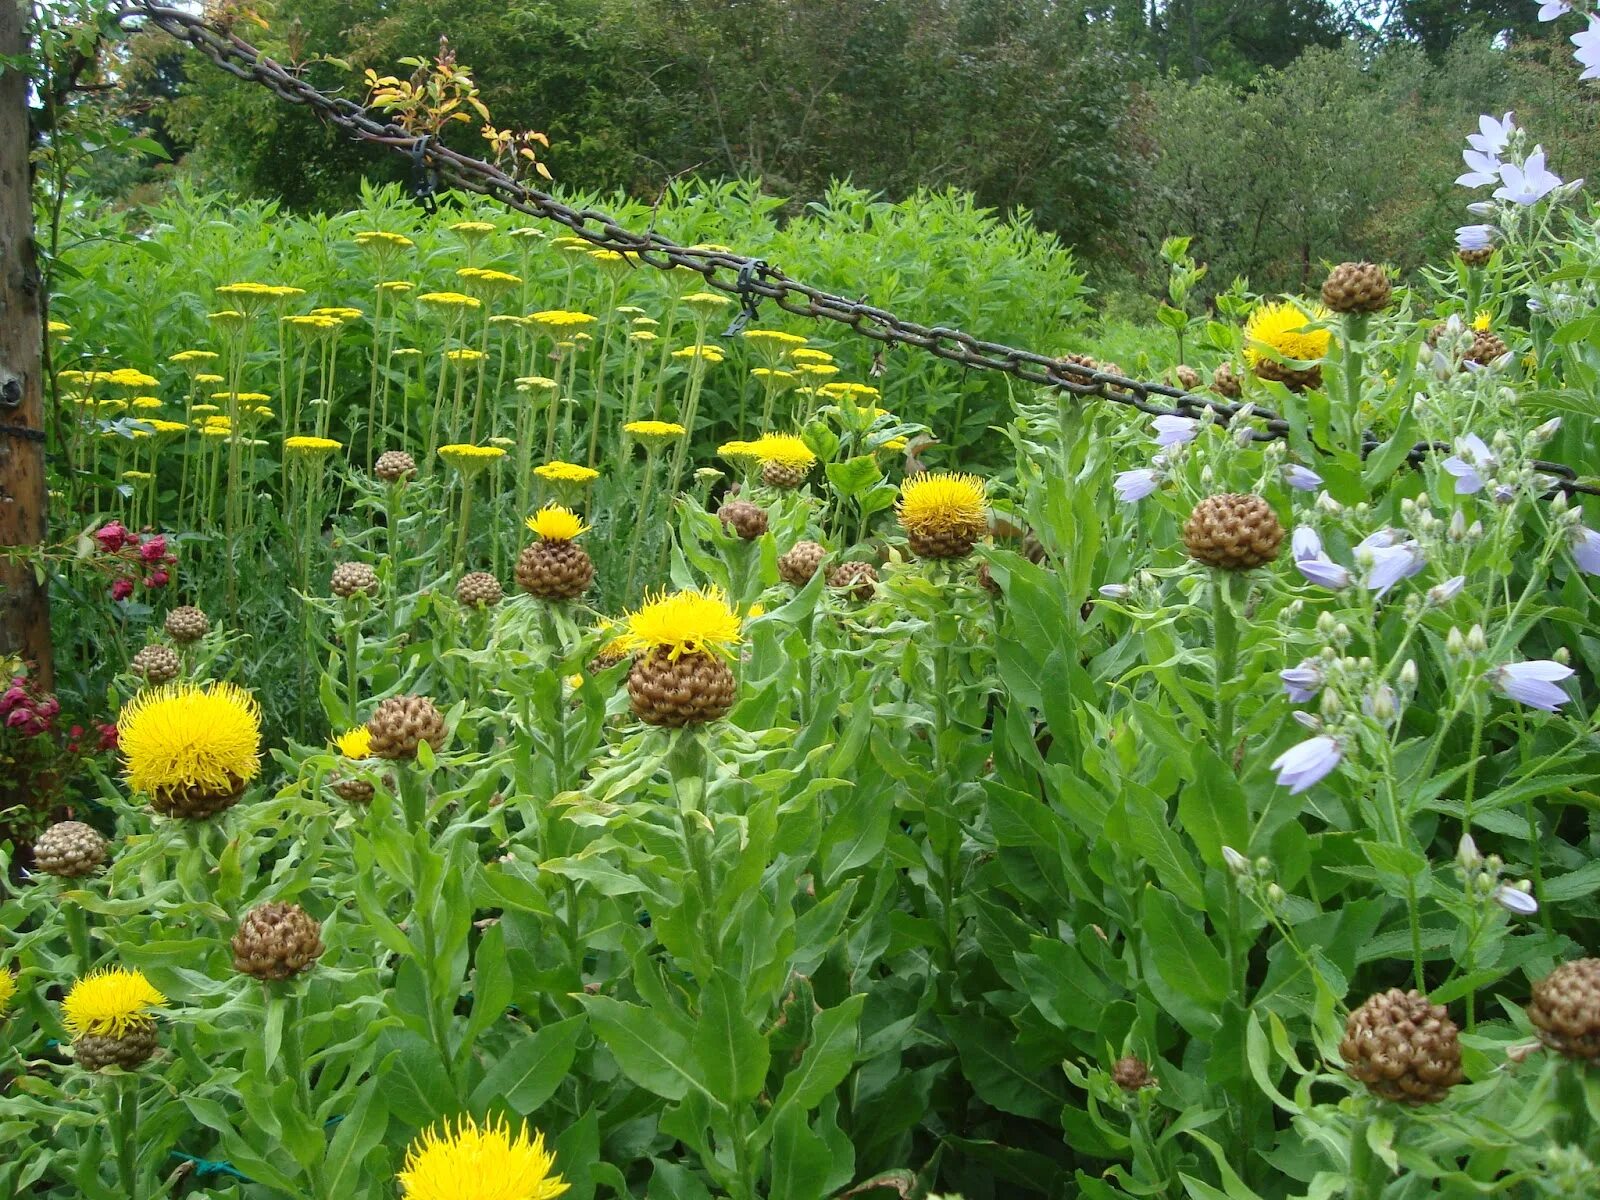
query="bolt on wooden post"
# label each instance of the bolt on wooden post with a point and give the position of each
(24, 600)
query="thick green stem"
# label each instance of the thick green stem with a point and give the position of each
(352, 658)
(1365, 1179)
(294, 1066)
(1225, 655)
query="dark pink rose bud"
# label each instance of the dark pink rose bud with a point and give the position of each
(158, 579)
(13, 696)
(121, 589)
(152, 549)
(19, 717)
(108, 737)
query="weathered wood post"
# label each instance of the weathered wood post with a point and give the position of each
(24, 600)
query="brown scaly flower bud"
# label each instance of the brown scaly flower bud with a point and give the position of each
(1087, 361)
(395, 466)
(986, 580)
(555, 570)
(69, 849)
(401, 723)
(1357, 287)
(186, 624)
(607, 656)
(1565, 1009)
(276, 940)
(353, 578)
(130, 1049)
(353, 791)
(1486, 347)
(479, 589)
(1131, 1074)
(1476, 258)
(691, 689)
(1188, 378)
(1225, 383)
(1233, 531)
(1403, 1048)
(782, 475)
(801, 562)
(857, 580)
(156, 664)
(747, 520)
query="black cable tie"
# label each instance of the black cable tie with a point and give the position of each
(22, 433)
(755, 269)
(424, 179)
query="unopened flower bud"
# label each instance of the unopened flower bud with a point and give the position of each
(1562, 655)
(1115, 591)
(1328, 504)
(1408, 674)
(1331, 706)
(1455, 645)
(1467, 853)
(1477, 643)
(1310, 720)
(1382, 705)
(1236, 862)
(1441, 594)
(1326, 624)
(1516, 901)
(1545, 432)
(1275, 893)
(1475, 531)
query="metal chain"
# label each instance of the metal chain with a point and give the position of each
(750, 279)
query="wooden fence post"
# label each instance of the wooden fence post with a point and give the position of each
(24, 601)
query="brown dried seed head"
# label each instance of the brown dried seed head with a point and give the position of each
(1486, 347)
(1403, 1048)
(69, 849)
(1131, 1074)
(779, 475)
(187, 623)
(156, 664)
(1476, 258)
(353, 578)
(1233, 531)
(1296, 379)
(393, 466)
(478, 589)
(554, 570)
(801, 562)
(1354, 287)
(1565, 1009)
(689, 690)
(353, 791)
(276, 940)
(401, 723)
(1188, 378)
(747, 520)
(1225, 383)
(857, 580)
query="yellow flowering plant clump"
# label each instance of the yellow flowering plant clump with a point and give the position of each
(566, 472)
(108, 1003)
(559, 318)
(186, 735)
(466, 457)
(449, 301)
(310, 446)
(710, 354)
(469, 1161)
(382, 239)
(693, 621)
(192, 358)
(1287, 330)
(651, 431)
(556, 523)
(809, 354)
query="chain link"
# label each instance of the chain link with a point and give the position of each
(750, 279)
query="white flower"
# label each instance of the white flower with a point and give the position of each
(1588, 43)
(1515, 900)
(1551, 9)
(1528, 183)
(1175, 431)
(1492, 136)
(1302, 479)
(1441, 594)
(1475, 237)
(1532, 683)
(1586, 549)
(1301, 766)
(1136, 485)
(1482, 169)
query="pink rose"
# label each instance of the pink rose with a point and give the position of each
(122, 588)
(152, 549)
(111, 537)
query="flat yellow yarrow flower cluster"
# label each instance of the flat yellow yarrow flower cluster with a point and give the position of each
(565, 472)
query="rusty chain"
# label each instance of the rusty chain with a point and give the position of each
(749, 279)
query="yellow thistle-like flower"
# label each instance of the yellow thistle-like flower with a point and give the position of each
(106, 1003)
(785, 449)
(555, 523)
(708, 300)
(565, 472)
(528, 233)
(244, 291)
(506, 319)
(449, 300)
(8, 988)
(535, 383)
(485, 1162)
(1282, 327)
(773, 338)
(575, 681)
(472, 229)
(200, 409)
(505, 442)
(1481, 321)
(560, 318)
(88, 378)
(652, 431)
(217, 432)
(313, 323)
(942, 503)
(382, 239)
(684, 622)
(808, 355)
(182, 735)
(465, 355)
(339, 313)
(895, 445)
(354, 743)
(318, 446)
(464, 457)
